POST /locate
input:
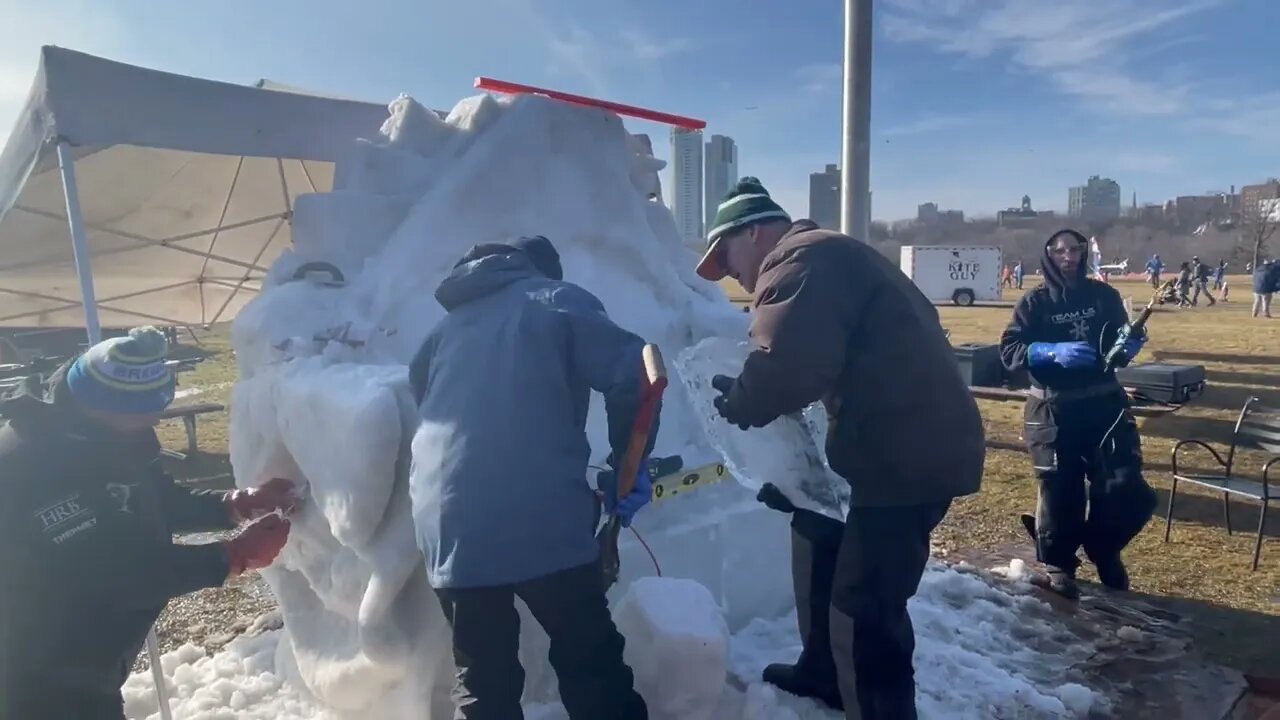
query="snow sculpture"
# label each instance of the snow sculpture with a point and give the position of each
(323, 394)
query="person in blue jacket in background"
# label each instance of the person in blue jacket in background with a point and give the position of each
(1266, 280)
(500, 499)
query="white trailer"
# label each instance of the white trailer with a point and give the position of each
(962, 274)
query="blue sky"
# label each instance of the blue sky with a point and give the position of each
(975, 102)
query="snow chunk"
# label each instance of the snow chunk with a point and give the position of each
(1129, 633)
(1016, 571)
(677, 645)
(235, 684)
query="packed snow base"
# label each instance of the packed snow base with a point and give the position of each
(323, 399)
(982, 652)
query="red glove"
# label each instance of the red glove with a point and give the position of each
(276, 494)
(257, 545)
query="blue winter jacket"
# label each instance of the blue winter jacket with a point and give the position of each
(1266, 278)
(499, 488)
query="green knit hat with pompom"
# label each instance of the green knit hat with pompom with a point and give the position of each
(747, 203)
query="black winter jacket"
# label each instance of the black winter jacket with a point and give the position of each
(1091, 311)
(87, 559)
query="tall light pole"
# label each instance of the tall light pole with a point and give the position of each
(855, 168)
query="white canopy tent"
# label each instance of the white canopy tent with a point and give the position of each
(176, 194)
(148, 197)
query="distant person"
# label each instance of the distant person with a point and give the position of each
(1266, 282)
(1200, 275)
(1018, 273)
(1006, 277)
(1220, 275)
(87, 518)
(1078, 423)
(1183, 284)
(833, 320)
(501, 510)
(1155, 266)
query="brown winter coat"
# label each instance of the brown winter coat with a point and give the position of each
(834, 320)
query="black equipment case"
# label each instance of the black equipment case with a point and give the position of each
(1163, 382)
(980, 364)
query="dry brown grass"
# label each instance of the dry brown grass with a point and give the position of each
(1202, 571)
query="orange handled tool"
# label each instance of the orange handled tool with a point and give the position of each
(655, 382)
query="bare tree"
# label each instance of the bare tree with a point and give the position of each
(1258, 222)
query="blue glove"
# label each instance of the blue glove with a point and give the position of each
(1068, 355)
(641, 494)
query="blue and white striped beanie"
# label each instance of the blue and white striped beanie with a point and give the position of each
(124, 375)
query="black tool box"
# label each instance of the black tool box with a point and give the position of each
(980, 364)
(1163, 382)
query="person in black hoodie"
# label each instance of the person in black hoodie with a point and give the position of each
(87, 518)
(1078, 423)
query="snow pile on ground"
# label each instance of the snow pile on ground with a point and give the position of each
(981, 652)
(323, 398)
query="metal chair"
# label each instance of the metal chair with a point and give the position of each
(1257, 428)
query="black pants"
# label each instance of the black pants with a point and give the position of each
(1063, 439)
(882, 556)
(815, 545)
(37, 698)
(586, 647)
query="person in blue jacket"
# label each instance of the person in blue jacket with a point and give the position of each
(1078, 421)
(500, 499)
(1155, 266)
(1266, 281)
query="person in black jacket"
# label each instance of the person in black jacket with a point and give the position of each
(87, 517)
(1078, 422)
(1201, 273)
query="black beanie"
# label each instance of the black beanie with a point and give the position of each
(542, 253)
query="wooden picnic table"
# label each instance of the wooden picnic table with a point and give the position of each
(1001, 394)
(188, 415)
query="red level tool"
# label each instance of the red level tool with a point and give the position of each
(655, 382)
(510, 88)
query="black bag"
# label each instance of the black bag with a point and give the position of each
(980, 364)
(1163, 382)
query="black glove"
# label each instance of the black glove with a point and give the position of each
(724, 385)
(773, 499)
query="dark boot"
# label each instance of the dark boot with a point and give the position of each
(1112, 572)
(799, 680)
(815, 543)
(1063, 582)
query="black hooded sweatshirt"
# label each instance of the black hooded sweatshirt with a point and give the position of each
(1092, 312)
(87, 559)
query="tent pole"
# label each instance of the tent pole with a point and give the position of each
(66, 166)
(157, 673)
(84, 270)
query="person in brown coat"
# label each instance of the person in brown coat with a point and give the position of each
(834, 320)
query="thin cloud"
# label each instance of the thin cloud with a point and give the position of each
(928, 124)
(1151, 163)
(820, 77)
(647, 49)
(578, 52)
(1084, 49)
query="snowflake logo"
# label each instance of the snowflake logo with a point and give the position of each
(1080, 330)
